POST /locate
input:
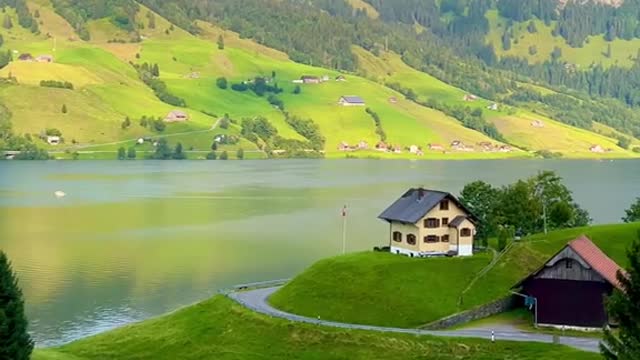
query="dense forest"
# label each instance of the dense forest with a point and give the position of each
(450, 44)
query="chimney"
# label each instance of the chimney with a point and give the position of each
(420, 193)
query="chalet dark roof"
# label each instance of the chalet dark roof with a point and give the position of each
(592, 257)
(353, 99)
(415, 204)
(458, 220)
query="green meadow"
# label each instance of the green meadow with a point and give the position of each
(221, 329)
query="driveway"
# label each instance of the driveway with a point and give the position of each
(256, 300)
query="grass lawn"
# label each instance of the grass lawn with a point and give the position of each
(380, 288)
(390, 290)
(220, 329)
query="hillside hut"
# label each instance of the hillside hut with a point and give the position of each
(351, 100)
(570, 289)
(176, 116)
(44, 58)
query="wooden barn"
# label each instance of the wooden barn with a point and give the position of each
(570, 289)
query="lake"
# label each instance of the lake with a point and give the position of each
(136, 239)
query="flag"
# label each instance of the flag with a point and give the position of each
(344, 211)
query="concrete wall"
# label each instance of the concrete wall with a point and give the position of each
(480, 312)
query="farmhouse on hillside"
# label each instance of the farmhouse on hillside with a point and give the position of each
(53, 140)
(25, 57)
(436, 147)
(596, 149)
(310, 79)
(176, 116)
(44, 58)
(429, 223)
(351, 100)
(569, 289)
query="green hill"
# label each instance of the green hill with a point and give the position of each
(107, 89)
(391, 290)
(221, 329)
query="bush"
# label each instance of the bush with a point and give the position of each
(159, 125)
(212, 155)
(240, 154)
(240, 87)
(224, 155)
(624, 142)
(224, 123)
(131, 153)
(222, 83)
(122, 153)
(636, 149)
(56, 84)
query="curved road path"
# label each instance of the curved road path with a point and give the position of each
(256, 300)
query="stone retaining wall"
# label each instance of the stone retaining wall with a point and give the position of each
(480, 312)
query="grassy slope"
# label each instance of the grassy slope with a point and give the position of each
(220, 329)
(391, 290)
(380, 288)
(556, 136)
(623, 52)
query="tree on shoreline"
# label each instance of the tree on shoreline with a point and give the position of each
(15, 342)
(633, 213)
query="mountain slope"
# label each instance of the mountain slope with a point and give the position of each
(107, 89)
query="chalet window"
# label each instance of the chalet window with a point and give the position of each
(444, 238)
(432, 223)
(466, 232)
(445, 221)
(569, 264)
(397, 236)
(444, 205)
(431, 239)
(411, 239)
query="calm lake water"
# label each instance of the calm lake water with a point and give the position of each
(136, 239)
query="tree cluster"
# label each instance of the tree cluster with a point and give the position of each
(56, 84)
(529, 206)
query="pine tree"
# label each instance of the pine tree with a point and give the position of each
(220, 42)
(240, 154)
(224, 155)
(122, 153)
(64, 108)
(624, 306)
(155, 70)
(15, 342)
(6, 23)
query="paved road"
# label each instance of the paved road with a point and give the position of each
(257, 300)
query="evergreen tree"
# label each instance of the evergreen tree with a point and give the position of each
(155, 70)
(7, 23)
(178, 154)
(607, 53)
(122, 153)
(297, 90)
(502, 238)
(36, 14)
(224, 155)
(220, 42)
(64, 108)
(212, 155)
(632, 213)
(506, 41)
(240, 154)
(15, 342)
(624, 306)
(214, 146)
(222, 83)
(131, 153)
(531, 28)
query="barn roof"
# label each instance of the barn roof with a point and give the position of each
(598, 260)
(414, 204)
(353, 99)
(591, 255)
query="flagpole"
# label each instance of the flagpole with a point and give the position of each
(344, 230)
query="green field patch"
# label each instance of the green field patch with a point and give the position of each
(32, 73)
(221, 329)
